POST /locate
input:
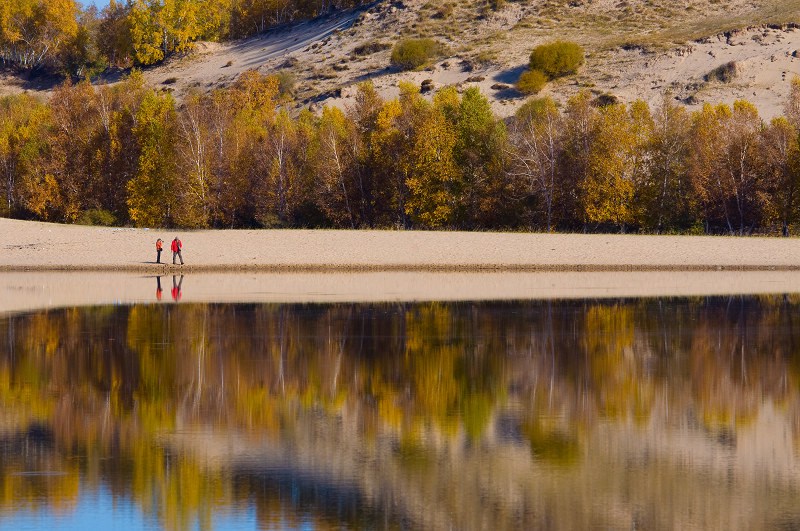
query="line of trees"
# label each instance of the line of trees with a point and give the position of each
(129, 154)
(59, 35)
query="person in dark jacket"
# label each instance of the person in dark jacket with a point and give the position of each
(176, 250)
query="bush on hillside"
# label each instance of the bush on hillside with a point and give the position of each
(531, 82)
(370, 47)
(557, 59)
(724, 73)
(414, 53)
(287, 82)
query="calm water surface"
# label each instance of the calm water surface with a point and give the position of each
(650, 413)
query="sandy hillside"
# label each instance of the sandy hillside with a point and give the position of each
(319, 55)
(636, 49)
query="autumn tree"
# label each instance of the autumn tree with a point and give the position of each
(393, 138)
(158, 28)
(373, 191)
(618, 164)
(32, 32)
(791, 108)
(23, 144)
(580, 121)
(193, 146)
(113, 38)
(780, 166)
(480, 154)
(724, 164)
(537, 138)
(335, 167)
(667, 193)
(227, 137)
(152, 192)
(75, 116)
(432, 178)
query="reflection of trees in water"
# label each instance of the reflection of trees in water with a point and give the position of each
(111, 381)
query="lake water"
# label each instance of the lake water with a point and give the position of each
(655, 413)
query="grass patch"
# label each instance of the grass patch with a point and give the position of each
(370, 47)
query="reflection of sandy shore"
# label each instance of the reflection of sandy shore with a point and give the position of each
(23, 291)
(41, 246)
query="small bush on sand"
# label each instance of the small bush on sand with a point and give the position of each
(414, 53)
(370, 47)
(724, 73)
(557, 59)
(531, 82)
(287, 82)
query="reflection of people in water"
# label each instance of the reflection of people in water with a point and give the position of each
(176, 288)
(158, 288)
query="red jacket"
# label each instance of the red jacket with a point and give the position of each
(176, 246)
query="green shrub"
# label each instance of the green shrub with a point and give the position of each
(287, 82)
(557, 59)
(724, 73)
(531, 81)
(97, 216)
(414, 53)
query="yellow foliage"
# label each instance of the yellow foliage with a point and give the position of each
(433, 172)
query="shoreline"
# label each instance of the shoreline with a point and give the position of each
(393, 268)
(46, 290)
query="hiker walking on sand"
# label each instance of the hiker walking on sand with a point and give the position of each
(158, 250)
(176, 250)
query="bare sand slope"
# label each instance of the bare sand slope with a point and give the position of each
(221, 63)
(28, 245)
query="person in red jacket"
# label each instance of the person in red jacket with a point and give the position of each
(176, 288)
(176, 250)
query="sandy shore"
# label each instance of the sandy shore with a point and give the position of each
(48, 266)
(48, 247)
